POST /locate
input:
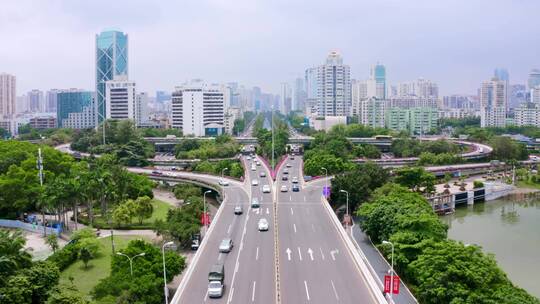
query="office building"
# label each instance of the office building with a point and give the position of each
(198, 109)
(372, 112)
(8, 87)
(51, 101)
(111, 62)
(333, 87)
(534, 78)
(35, 101)
(75, 109)
(518, 94)
(535, 95)
(358, 94)
(120, 101)
(493, 103)
(501, 74)
(376, 84)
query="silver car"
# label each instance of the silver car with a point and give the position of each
(215, 289)
(263, 225)
(226, 245)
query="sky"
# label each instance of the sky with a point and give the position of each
(456, 43)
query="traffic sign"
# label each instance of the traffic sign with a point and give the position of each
(388, 282)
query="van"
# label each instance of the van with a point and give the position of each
(255, 203)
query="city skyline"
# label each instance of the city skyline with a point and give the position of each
(263, 44)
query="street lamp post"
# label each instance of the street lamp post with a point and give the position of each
(347, 209)
(325, 179)
(391, 268)
(130, 260)
(165, 290)
(204, 212)
(272, 117)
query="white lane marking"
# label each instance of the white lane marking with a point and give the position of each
(267, 210)
(206, 296)
(253, 292)
(299, 253)
(257, 254)
(219, 256)
(307, 291)
(313, 227)
(230, 295)
(288, 253)
(333, 254)
(322, 254)
(229, 230)
(294, 226)
(304, 198)
(290, 198)
(310, 252)
(238, 260)
(292, 213)
(335, 291)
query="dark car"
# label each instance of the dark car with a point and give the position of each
(195, 241)
(284, 178)
(295, 188)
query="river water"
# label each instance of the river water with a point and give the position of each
(509, 228)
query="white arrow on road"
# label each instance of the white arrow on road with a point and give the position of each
(267, 210)
(288, 253)
(310, 252)
(333, 254)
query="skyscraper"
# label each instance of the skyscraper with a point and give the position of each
(310, 78)
(493, 103)
(51, 100)
(377, 82)
(35, 101)
(286, 98)
(8, 86)
(111, 61)
(299, 95)
(534, 78)
(333, 87)
(74, 109)
(501, 74)
(120, 99)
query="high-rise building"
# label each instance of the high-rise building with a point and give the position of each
(407, 102)
(493, 103)
(419, 120)
(376, 85)
(333, 87)
(35, 101)
(51, 101)
(8, 87)
(534, 78)
(372, 112)
(527, 114)
(162, 96)
(120, 101)
(300, 95)
(75, 109)
(111, 61)
(198, 109)
(142, 112)
(420, 88)
(286, 98)
(501, 74)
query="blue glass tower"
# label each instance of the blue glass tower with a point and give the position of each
(111, 61)
(378, 72)
(70, 103)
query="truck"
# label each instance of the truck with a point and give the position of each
(216, 277)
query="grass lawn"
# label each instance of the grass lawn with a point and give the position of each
(98, 268)
(160, 212)
(524, 184)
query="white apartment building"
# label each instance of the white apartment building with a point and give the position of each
(231, 114)
(198, 109)
(120, 99)
(527, 114)
(458, 113)
(407, 102)
(333, 87)
(285, 104)
(535, 94)
(142, 111)
(8, 87)
(372, 112)
(493, 103)
(420, 88)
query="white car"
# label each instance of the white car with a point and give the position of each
(263, 225)
(253, 167)
(248, 157)
(258, 163)
(255, 182)
(226, 245)
(288, 165)
(266, 189)
(294, 180)
(215, 289)
(223, 182)
(284, 188)
(262, 174)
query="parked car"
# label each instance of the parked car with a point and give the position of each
(195, 241)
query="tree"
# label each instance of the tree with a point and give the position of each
(30, 285)
(505, 149)
(13, 257)
(52, 241)
(143, 208)
(123, 213)
(66, 294)
(85, 255)
(183, 191)
(316, 159)
(416, 178)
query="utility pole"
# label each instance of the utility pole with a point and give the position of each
(40, 168)
(272, 137)
(103, 127)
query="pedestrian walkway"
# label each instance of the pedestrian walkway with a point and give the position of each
(380, 265)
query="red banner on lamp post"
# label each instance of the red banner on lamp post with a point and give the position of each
(205, 218)
(388, 284)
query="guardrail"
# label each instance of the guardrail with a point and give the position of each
(28, 226)
(360, 263)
